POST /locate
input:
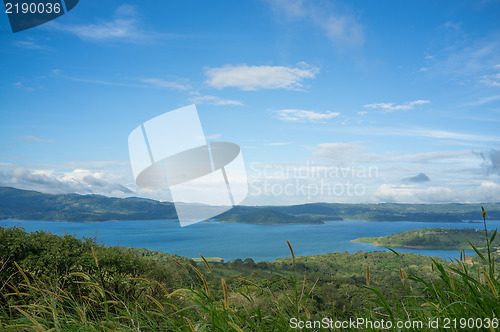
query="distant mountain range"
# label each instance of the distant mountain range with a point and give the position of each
(32, 205)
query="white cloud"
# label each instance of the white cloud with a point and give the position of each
(390, 107)
(409, 194)
(353, 182)
(214, 100)
(118, 29)
(294, 115)
(339, 27)
(488, 192)
(362, 113)
(491, 80)
(259, 77)
(51, 180)
(485, 192)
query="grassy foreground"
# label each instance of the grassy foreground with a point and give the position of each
(49, 282)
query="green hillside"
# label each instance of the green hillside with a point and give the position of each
(60, 283)
(31, 205)
(431, 238)
(271, 217)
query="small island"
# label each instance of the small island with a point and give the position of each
(271, 217)
(431, 238)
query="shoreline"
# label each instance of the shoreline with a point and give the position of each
(250, 223)
(375, 243)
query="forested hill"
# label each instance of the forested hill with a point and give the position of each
(32, 205)
(431, 238)
(274, 217)
(451, 212)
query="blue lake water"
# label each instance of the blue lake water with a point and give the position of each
(231, 241)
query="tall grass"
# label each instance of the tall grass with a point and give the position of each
(462, 296)
(90, 302)
(99, 301)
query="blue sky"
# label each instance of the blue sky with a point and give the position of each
(329, 100)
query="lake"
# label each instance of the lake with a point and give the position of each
(231, 240)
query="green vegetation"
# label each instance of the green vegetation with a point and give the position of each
(65, 284)
(271, 217)
(464, 293)
(386, 212)
(430, 238)
(31, 205)
(50, 281)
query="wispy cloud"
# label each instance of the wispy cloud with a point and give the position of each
(214, 136)
(214, 100)
(475, 62)
(482, 101)
(29, 45)
(390, 107)
(436, 134)
(339, 27)
(35, 139)
(24, 87)
(146, 82)
(345, 153)
(161, 83)
(491, 80)
(293, 115)
(277, 143)
(124, 26)
(445, 134)
(58, 73)
(259, 77)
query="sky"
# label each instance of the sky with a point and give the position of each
(329, 101)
